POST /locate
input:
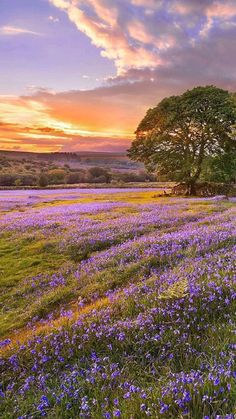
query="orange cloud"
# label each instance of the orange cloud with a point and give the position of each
(66, 121)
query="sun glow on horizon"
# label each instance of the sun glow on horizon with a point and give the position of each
(33, 124)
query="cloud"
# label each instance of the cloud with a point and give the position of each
(105, 118)
(32, 89)
(223, 12)
(53, 19)
(139, 34)
(13, 31)
(76, 120)
(102, 21)
(151, 4)
(105, 111)
(160, 48)
(83, 143)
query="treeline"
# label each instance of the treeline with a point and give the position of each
(69, 176)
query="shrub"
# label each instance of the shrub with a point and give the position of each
(98, 175)
(56, 176)
(7, 180)
(75, 177)
(43, 180)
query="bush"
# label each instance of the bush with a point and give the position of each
(43, 180)
(98, 175)
(29, 180)
(7, 180)
(99, 179)
(18, 182)
(205, 189)
(141, 176)
(56, 176)
(75, 177)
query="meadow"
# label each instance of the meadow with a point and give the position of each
(117, 303)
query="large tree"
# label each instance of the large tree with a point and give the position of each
(176, 136)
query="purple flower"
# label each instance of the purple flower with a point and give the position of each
(164, 408)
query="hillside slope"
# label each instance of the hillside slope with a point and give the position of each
(118, 305)
(27, 162)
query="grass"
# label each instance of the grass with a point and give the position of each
(127, 312)
(24, 257)
(20, 261)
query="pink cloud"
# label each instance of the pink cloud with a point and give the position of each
(141, 33)
(107, 33)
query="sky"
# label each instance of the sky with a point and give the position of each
(79, 75)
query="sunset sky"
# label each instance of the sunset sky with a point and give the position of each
(80, 74)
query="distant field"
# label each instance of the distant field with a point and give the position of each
(117, 303)
(28, 170)
(27, 162)
(92, 186)
(17, 198)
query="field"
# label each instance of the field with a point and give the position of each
(25, 169)
(117, 303)
(31, 163)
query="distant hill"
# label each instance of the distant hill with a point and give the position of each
(27, 162)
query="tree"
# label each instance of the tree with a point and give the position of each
(56, 176)
(43, 180)
(176, 136)
(140, 176)
(18, 182)
(7, 180)
(75, 177)
(220, 168)
(99, 175)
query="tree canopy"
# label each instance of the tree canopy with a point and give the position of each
(176, 136)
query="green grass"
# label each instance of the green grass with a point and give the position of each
(21, 260)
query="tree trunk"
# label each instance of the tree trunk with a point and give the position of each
(191, 188)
